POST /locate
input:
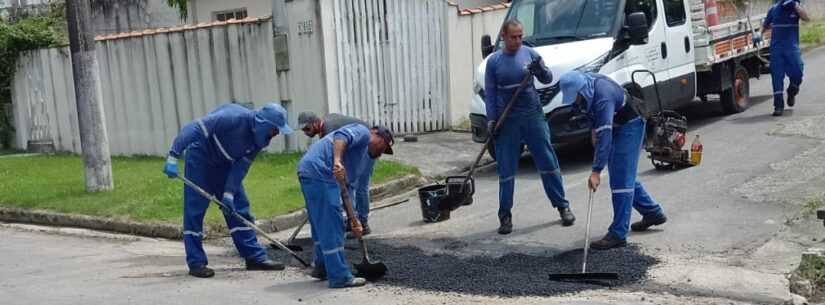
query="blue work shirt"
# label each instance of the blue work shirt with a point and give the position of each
(226, 136)
(608, 98)
(503, 74)
(784, 24)
(317, 161)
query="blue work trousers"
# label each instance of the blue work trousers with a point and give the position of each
(622, 166)
(323, 203)
(785, 62)
(531, 129)
(362, 193)
(212, 179)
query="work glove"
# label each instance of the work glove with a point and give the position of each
(171, 167)
(229, 203)
(536, 67)
(757, 38)
(790, 4)
(491, 125)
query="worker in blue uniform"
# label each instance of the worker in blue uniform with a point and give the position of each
(786, 58)
(312, 126)
(618, 130)
(220, 148)
(342, 155)
(525, 123)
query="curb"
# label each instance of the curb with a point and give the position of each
(175, 231)
(42, 217)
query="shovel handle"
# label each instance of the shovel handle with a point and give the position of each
(342, 184)
(242, 219)
(524, 82)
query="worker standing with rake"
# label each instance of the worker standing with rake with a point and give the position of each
(618, 130)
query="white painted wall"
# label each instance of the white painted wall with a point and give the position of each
(465, 55)
(201, 10)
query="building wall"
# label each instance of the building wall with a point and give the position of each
(117, 16)
(201, 10)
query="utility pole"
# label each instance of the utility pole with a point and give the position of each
(94, 142)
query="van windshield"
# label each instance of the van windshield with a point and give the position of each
(557, 21)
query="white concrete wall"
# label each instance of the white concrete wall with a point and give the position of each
(464, 57)
(152, 86)
(201, 10)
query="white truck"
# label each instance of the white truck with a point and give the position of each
(616, 37)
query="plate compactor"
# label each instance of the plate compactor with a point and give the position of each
(665, 134)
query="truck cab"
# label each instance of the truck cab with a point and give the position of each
(614, 38)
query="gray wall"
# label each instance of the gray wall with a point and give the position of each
(152, 85)
(115, 16)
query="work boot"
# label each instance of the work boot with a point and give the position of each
(608, 242)
(355, 282)
(201, 272)
(777, 112)
(567, 217)
(319, 273)
(792, 92)
(506, 225)
(266, 264)
(647, 222)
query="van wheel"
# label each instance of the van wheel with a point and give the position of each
(737, 98)
(491, 149)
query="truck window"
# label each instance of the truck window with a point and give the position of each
(645, 6)
(549, 22)
(675, 12)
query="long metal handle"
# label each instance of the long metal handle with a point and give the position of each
(524, 82)
(587, 230)
(242, 219)
(298, 229)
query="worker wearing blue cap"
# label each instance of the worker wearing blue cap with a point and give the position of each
(786, 58)
(220, 148)
(618, 130)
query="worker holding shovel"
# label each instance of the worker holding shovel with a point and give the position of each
(618, 131)
(526, 123)
(312, 126)
(220, 148)
(339, 156)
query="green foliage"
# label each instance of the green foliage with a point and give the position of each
(19, 34)
(181, 5)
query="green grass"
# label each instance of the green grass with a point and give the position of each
(812, 33)
(143, 193)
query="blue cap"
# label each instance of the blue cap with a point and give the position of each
(275, 115)
(570, 84)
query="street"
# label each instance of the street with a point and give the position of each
(736, 225)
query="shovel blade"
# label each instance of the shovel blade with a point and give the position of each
(585, 276)
(372, 271)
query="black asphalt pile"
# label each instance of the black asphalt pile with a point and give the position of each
(511, 275)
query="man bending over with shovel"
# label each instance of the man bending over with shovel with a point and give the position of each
(618, 131)
(313, 126)
(220, 148)
(339, 156)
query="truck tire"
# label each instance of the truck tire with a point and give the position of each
(737, 98)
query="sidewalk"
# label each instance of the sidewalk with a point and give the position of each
(439, 154)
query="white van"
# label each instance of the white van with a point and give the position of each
(617, 37)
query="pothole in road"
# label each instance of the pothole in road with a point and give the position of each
(511, 275)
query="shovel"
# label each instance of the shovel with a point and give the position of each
(242, 219)
(584, 275)
(369, 270)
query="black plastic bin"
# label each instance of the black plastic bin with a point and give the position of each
(438, 200)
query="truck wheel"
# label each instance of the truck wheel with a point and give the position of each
(737, 98)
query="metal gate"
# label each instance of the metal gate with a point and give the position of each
(392, 62)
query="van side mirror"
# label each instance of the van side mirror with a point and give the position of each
(636, 26)
(486, 45)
